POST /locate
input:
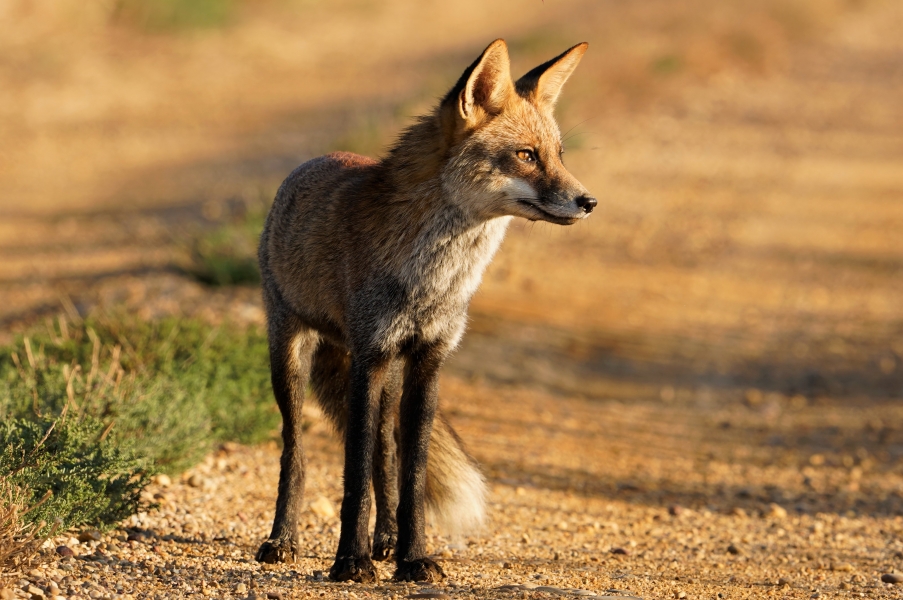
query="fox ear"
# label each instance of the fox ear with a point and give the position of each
(543, 84)
(485, 86)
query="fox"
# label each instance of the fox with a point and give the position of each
(368, 267)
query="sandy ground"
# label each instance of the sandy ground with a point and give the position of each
(697, 392)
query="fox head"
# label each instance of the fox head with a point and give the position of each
(503, 144)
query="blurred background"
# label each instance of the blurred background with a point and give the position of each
(735, 299)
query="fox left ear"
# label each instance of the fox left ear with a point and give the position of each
(543, 84)
(485, 86)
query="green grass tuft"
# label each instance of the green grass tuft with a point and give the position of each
(227, 255)
(173, 15)
(90, 411)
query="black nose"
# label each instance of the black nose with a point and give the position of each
(587, 203)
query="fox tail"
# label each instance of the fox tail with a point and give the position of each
(455, 487)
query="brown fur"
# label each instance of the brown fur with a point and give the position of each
(368, 267)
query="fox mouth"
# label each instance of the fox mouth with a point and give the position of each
(544, 215)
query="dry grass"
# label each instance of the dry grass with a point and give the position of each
(19, 540)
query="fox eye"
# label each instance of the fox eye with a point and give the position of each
(526, 155)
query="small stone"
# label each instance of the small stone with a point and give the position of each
(842, 567)
(136, 536)
(776, 511)
(323, 508)
(163, 480)
(508, 565)
(525, 539)
(733, 549)
(196, 480)
(783, 581)
(7, 594)
(274, 595)
(64, 551)
(91, 535)
(680, 594)
(433, 594)
(845, 586)
(621, 551)
(35, 591)
(739, 512)
(893, 578)
(675, 510)
(241, 588)
(549, 590)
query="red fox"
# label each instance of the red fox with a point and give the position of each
(368, 268)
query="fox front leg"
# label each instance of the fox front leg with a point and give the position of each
(419, 402)
(385, 468)
(353, 562)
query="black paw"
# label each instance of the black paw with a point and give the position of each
(277, 551)
(351, 568)
(384, 546)
(422, 569)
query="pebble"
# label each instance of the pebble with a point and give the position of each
(196, 480)
(163, 480)
(428, 595)
(91, 535)
(621, 551)
(842, 567)
(241, 588)
(136, 536)
(64, 551)
(274, 595)
(783, 581)
(548, 589)
(733, 549)
(323, 508)
(893, 578)
(675, 510)
(776, 511)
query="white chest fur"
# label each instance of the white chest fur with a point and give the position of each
(440, 275)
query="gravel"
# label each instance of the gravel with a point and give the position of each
(615, 543)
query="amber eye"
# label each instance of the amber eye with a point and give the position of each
(526, 155)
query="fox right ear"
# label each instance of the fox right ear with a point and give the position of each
(485, 86)
(543, 84)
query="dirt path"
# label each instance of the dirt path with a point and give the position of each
(697, 393)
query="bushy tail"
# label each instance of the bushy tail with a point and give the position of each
(455, 487)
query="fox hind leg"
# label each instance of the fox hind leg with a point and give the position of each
(291, 345)
(330, 380)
